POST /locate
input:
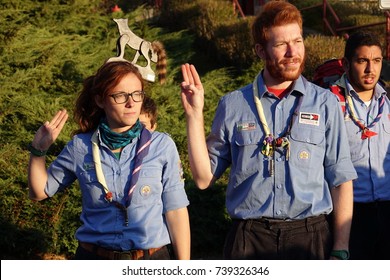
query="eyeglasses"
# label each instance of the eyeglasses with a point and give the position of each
(122, 97)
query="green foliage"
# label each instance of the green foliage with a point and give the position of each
(320, 48)
(219, 31)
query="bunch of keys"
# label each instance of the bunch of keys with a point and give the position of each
(268, 150)
(284, 143)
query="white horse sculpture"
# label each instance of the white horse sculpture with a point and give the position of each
(151, 51)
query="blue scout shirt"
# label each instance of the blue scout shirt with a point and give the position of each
(160, 188)
(319, 152)
(371, 157)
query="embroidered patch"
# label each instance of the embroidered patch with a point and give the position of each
(309, 118)
(304, 155)
(88, 166)
(246, 126)
(145, 190)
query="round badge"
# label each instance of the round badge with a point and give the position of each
(145, 190)
(304, 155)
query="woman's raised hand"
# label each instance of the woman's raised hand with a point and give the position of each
(49, 131)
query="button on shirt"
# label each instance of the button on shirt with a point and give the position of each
(160, 188)
(319, 152)
(371, 157)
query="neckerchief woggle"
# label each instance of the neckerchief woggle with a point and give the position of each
(142, 150)
(366, 132)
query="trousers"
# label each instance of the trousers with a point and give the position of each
(270, 239)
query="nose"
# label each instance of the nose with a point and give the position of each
(291, 50)
(130, 102)
(368, 66)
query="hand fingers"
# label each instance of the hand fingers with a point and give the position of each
(190, 75)
(59, 119)
(195, 76)
(185, 72)
(188, 71)
(63, 118)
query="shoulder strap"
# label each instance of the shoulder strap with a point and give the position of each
(339, 92)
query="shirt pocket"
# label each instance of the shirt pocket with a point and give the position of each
(355, 141)
(92, 191)
(386, 127)
(148, 188)
(247, 152)
(307, 147)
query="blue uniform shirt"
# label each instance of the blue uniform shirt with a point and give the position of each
(371, 157)
(319, 152)
(160, 188)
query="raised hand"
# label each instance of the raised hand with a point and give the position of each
(49, 131)
(192, 92)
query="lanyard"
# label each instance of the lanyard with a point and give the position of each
(142, 150)
(366, 132)
(270, 143)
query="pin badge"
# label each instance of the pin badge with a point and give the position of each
(304, 155)
(145, 190)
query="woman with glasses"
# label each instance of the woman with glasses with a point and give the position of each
(134, 205)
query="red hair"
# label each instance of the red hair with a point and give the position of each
(274, 13)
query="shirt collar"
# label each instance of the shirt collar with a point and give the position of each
(298, 85)
(343, 82)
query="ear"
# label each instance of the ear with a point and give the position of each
(260, 51)
(345, 63)
(99, 101)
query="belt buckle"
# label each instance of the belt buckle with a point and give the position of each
(128, 255)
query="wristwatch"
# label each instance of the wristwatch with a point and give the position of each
(36, 152)
(340, 254)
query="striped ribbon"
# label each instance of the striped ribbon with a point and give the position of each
(142, 150)
(366, 132)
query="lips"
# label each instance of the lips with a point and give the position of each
(369, 79)
(129, 114)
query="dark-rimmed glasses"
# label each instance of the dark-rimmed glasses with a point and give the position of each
(121, 97)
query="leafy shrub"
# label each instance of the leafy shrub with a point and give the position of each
(219, 31)
(319, 49)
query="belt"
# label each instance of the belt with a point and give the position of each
(118, 255)
(286, 224)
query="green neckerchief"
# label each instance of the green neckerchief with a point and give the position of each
(116, 140)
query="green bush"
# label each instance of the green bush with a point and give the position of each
(219, 32)
(319, 49)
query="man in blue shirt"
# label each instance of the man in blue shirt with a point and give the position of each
(285, 142)
(366, 118)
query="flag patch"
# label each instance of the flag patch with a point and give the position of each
(309, 118)
(246, 126)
